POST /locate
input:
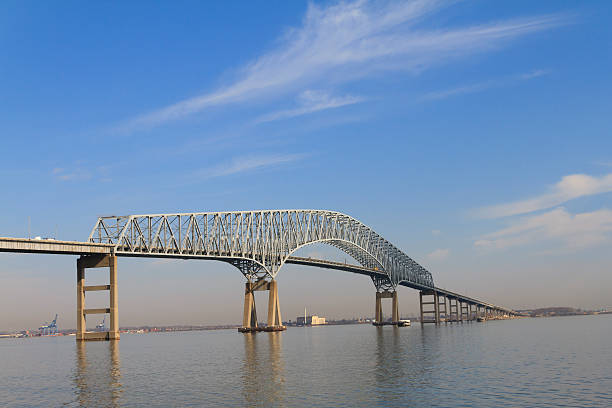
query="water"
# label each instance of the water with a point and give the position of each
(525, 362)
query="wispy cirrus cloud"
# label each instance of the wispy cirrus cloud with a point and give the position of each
(604, 163)
(482, 86)
(347, 41)
(63, 174)
(570, 187)
(310, 102)
(82, 171)
(573, 231)
(247, 164)
(438, 255)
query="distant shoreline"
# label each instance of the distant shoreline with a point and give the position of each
(536, 313)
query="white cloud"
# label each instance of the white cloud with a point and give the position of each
(78, 173)
(310, 102)
(346, 41)
(573, 231)
(438, 254)
(435, 232)
(533, 74)
(247, 164)
(569, 188)
(482, 86)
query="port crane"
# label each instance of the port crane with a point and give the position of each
(50, 328)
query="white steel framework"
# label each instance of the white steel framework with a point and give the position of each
(258, 242)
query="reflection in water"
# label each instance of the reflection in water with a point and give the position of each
(389, 369)
(98, 374)
(400, 366)
(263, 370)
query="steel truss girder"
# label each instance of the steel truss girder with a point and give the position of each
(257, 242)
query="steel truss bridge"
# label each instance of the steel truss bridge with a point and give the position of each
(258, 243)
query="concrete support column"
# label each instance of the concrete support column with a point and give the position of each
(395, 308)
(441, 308)
(80, 334)
(447, 309)
(436, 307)
(379, 314)
(379, 318)
(452, 310)
(274, 315)
(421, 303)
(458, 311)
(97, 261)
(249, 318)
(430, 315)
(113, 333)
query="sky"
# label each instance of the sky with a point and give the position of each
(474, 135)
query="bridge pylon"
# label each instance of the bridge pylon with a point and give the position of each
(249, 319)
(379, 318)
(435, 302)
(385, 290)
(97, 261)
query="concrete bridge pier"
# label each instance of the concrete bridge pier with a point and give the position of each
(97, 261)
(386, 294)
(465, 314)
(249, 319)
(442, 309)
(453, 309)
(425, 312)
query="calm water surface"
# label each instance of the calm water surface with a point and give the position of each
(526, 362)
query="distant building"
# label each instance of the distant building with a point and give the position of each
(313, 320)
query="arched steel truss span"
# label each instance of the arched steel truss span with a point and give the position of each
(257, 242)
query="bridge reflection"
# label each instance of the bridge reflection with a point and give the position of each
(263, 373)
(99, 384)
(394, 375)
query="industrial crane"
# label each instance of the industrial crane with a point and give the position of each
(50, 328)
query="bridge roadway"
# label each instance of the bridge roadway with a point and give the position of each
(95, 254)
(321, 263)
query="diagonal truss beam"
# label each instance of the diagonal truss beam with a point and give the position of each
(264, 239)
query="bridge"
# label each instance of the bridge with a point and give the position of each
(258, 244)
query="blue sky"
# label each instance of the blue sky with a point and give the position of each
(473, 135)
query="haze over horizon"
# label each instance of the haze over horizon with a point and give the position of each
(475, 136)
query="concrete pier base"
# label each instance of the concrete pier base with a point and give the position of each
(379, 318)
(262, 329)
(97, 261)
(249, 319)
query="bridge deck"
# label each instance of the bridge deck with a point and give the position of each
(51, 246)
(371, 272)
